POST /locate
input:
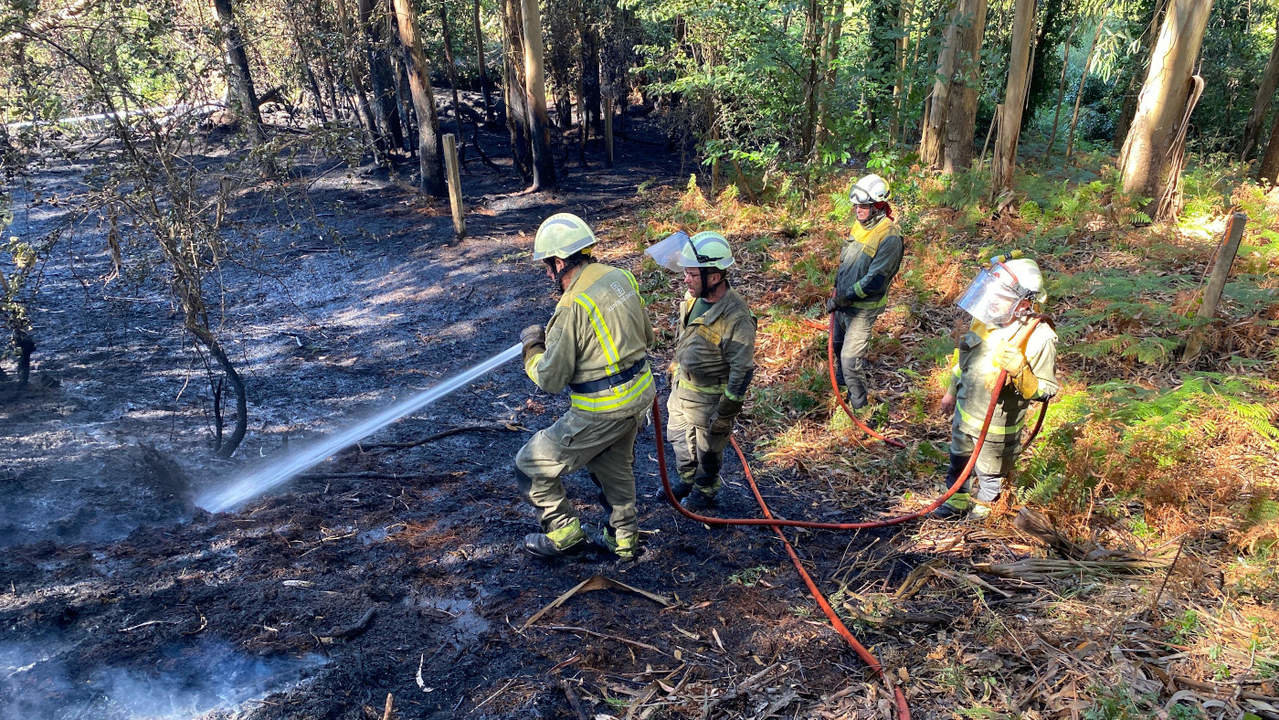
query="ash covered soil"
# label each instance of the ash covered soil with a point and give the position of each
(393, 567)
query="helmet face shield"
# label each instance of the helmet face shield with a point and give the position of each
(667, 252)
(704, 250)
(993, 296)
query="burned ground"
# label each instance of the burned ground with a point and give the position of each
(387, 569)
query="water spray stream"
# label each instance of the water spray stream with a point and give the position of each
(253, 484)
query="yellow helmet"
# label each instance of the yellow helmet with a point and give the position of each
(561, 235)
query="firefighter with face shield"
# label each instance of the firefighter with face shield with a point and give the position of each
(1006, 334)
(867, 265)
(595, 345)
(713, 364)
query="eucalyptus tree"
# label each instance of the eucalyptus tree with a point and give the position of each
(1146, 165)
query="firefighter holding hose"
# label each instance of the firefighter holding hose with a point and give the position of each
(1007, 333)
(596, 344)
(713, 363)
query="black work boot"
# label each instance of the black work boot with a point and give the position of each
(557, 543)
(680, 488)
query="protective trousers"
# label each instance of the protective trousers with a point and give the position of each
(994, 463)
(852, 337)
(699, 453)
(605, 447)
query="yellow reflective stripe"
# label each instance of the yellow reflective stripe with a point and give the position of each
(629, 276)
(994, 429)
(602, 333)
(708, 389)
(530, 366)
(615, 399)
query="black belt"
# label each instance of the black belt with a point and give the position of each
(611, 381)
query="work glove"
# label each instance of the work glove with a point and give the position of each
(725, 412)
(533, 338)
(833, 304)
(1011, 359)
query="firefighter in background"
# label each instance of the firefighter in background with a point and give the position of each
(1007, 333)
(596, 344)
(867, 265)
(713, 363)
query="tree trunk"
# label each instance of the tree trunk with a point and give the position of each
(1269, 170)
(1079, 92)
(517, 115)
(1265, 93)
(1162, 103)
(1014, 98)
(535, 92)
(381, 76)
(590, 67)
(353, 71)
(830, 70)
(906, 12)
(480, 66)
(812, 82)
(1151, 34)
(1061, 92)
(239, 80)
(951, 115)
(430, 150)
(451, 69)
(881, 55)
(1045, 43)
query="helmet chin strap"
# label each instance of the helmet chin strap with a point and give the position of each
(707, 289)
(559, 274)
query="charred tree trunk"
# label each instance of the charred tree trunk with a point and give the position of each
(589, 67)
(1014, 99)
(351, 53)
(1162, 104)
(479, 63)
(951, 114)
(535, 94)
(450, 68)
(381, 76)
(517, 114)
(244, 100)
(25, 346)
(1265, 93)
(430, 149)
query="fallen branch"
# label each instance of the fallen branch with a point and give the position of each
(605, 636)
(595, 582)
(347, 631)
(443, 434)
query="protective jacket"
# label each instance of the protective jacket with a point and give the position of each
(597, 344)
(867, 264)
(715, 354)
(975, 370)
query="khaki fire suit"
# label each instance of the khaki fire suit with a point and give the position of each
(714, 360)
(597, 346)
(972, 381)
(867, 265)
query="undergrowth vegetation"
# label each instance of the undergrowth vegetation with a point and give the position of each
(1142, 449)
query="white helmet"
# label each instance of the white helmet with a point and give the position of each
(1028, 276)
(706, 249)
(561, 235)
(868, 190)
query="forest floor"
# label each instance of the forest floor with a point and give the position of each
(392, 572)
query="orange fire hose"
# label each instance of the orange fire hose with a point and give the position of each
(903, 709)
